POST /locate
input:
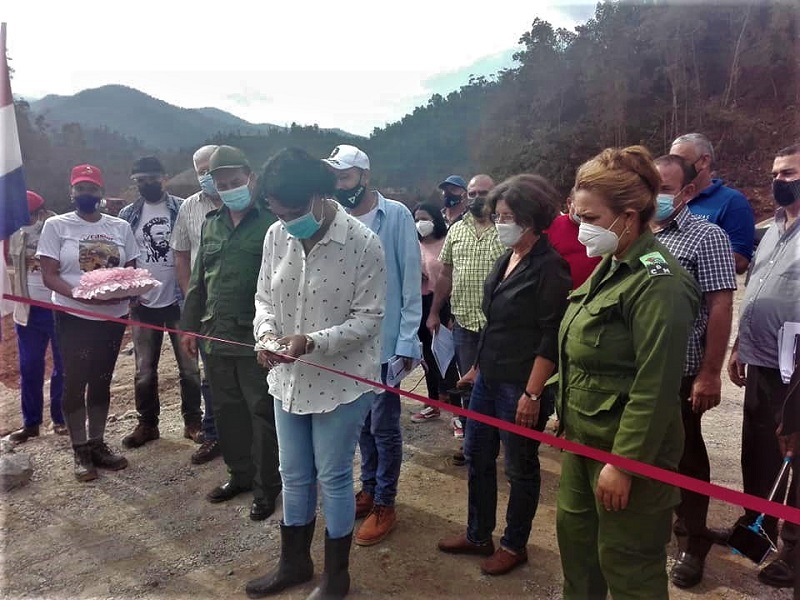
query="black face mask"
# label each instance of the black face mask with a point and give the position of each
(785, 192)
(151, 192)
(451, 200)
(350, 198)
(477, 207)
(86, 203)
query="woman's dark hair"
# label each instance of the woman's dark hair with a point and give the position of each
(531, 198)
(292, 176)
(439, 226)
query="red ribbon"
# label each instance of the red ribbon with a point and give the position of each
(760, 505)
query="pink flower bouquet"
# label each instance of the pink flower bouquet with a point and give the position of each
(114, 283)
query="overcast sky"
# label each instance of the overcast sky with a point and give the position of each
(355, 65)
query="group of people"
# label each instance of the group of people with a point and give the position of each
(627, 296)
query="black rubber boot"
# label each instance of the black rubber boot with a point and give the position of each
(335, 581)
(294, 567)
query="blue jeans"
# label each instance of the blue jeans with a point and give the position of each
(481, 448)
(381, 445)
(32, 342)
(209, 425)
(466, 346)
(319, 447)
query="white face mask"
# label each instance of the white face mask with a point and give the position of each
(509, 233)
(598, 240)
(425, 228)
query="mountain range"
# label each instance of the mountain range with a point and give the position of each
(152, 122)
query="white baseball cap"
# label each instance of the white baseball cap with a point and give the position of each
(345, 156)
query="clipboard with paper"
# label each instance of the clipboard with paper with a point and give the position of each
(788, 343)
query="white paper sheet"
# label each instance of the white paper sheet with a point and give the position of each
(395, 371)
(443, 349)
(787, 348)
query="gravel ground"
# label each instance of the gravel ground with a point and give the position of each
(148, 532)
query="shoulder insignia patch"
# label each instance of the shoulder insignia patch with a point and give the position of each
(656, 264)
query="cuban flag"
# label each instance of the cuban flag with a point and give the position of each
(13, 198)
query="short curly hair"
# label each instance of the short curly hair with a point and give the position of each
(532, 199)
(293, 177)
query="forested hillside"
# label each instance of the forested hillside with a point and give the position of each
(640, 72)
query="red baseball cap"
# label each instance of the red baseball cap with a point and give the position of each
(35, 202)
(88, 173)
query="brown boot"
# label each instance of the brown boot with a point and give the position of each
(23, 435)
(84, 468)
(193, 431)
(364, 502)
(104, 458)
(377, 526)
(141, 435)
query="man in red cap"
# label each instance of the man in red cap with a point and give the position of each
(35, 328)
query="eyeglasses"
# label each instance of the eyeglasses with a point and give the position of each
(477, 194)
(496, 218)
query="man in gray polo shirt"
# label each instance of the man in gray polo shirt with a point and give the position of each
(185, 243)
(772, 298)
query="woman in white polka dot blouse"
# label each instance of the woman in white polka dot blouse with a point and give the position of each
(320, 295)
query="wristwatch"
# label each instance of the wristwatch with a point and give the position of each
(309, 345)
(531, 396)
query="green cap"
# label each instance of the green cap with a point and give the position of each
(227, 157)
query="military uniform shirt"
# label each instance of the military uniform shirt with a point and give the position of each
(220, 301)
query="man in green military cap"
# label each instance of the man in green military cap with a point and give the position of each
(220, 304)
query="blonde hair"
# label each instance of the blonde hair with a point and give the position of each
(626, 178)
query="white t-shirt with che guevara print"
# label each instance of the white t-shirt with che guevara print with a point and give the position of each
(80, 246)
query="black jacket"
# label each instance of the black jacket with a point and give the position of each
(523, 313)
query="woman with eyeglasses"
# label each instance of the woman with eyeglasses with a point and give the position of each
(524, 298)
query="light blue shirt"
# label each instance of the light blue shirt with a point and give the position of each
(395, 227)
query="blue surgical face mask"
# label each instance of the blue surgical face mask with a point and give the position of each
(236, 199)
(665, 207)
(206, 182)
(303, 227)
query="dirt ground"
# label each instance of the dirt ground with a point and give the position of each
(148, 532)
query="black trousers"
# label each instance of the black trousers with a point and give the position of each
(690, 526)
(437, 385)
(90, 350)
(764, 398)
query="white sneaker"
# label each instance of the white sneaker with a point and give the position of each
(458, 428)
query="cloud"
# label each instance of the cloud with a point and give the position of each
(250, 97)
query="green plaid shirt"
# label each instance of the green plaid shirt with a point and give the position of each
(472, 257)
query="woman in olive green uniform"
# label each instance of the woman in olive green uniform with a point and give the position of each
(622, 345)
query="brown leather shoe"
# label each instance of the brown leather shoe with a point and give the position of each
(23, 435)
(193, 431)
(503, 561)
(142, 434)
(60, 429)
(364, 503)
(208, 451)
(377, 525)
(459, 544)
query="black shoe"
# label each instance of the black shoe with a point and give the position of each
(779, 573)
(226, 491)
(23, 435)
(104, 458)
(720, 536)
(84, 468)
(262, 509)
(687, 571)
(294, 567)
(335, 581)
(208, 451)
(459, 460)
